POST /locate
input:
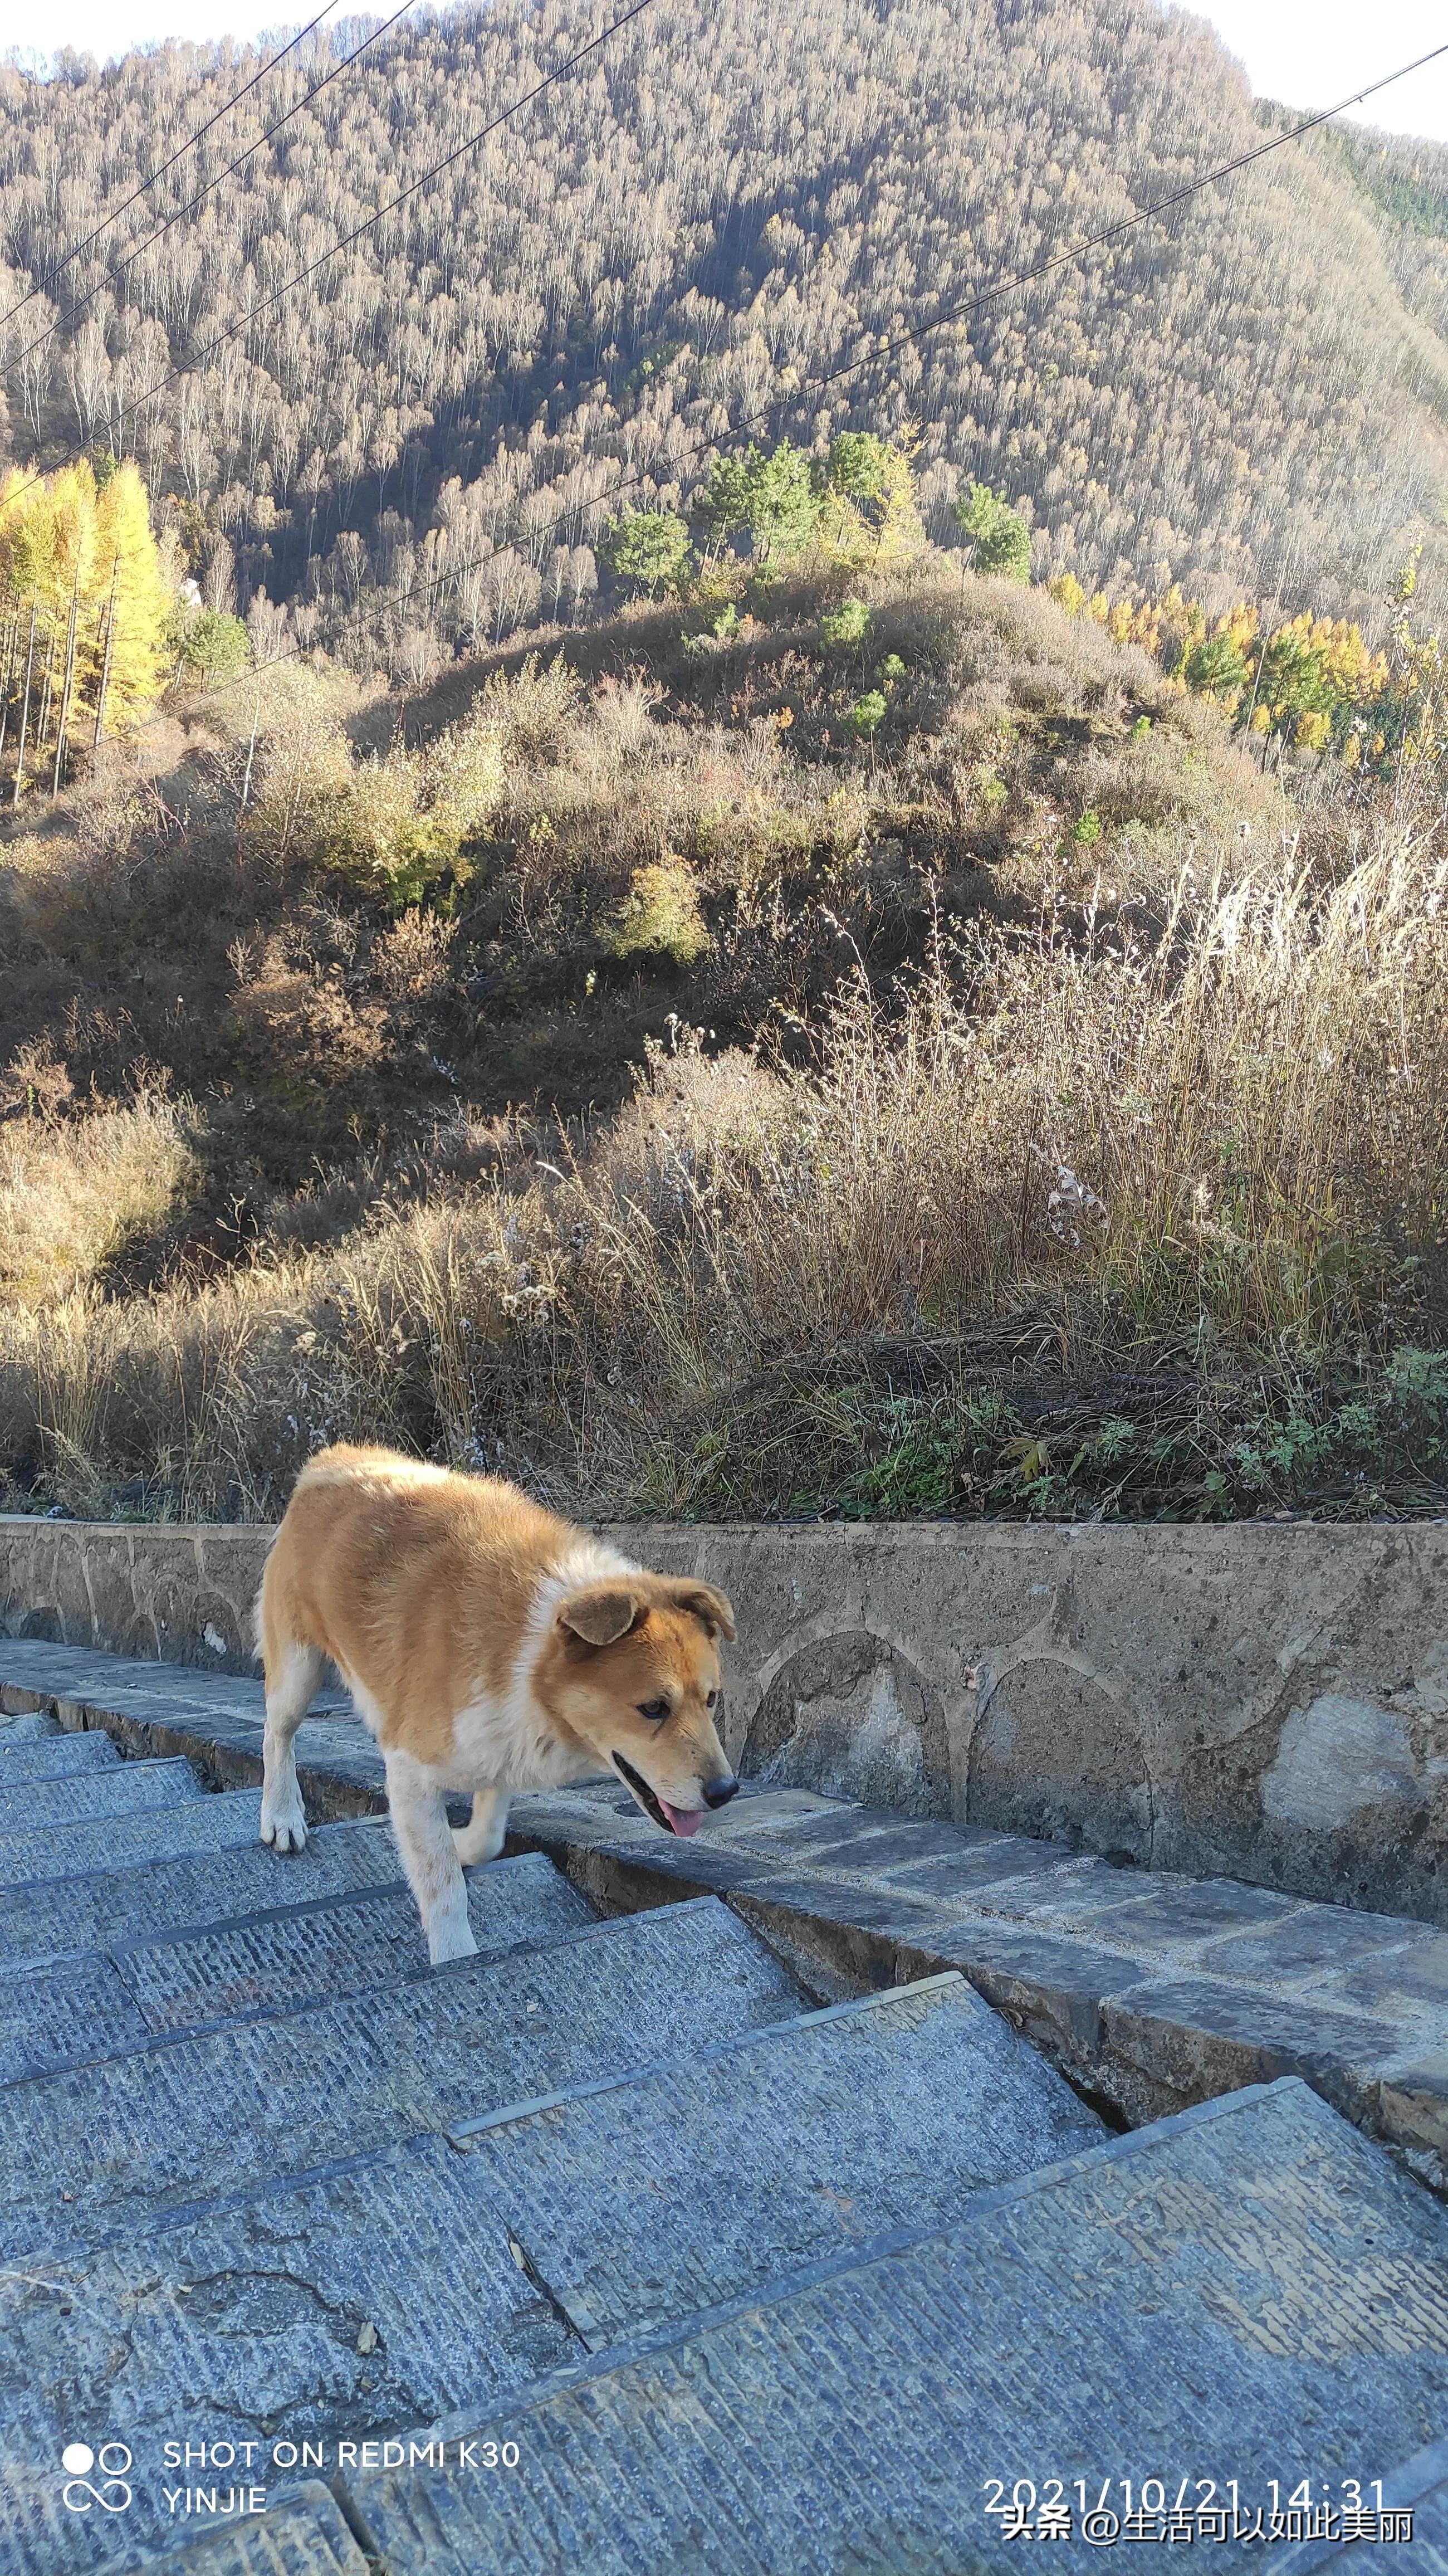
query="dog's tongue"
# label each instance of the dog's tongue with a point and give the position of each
(685, 1820)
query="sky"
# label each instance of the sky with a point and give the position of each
(1310, 53)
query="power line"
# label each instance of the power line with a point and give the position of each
(41, 283)
(107, 282)
(245, 320)
(817, 384)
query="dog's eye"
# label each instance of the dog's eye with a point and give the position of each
(713, 1700)
(657, 1709)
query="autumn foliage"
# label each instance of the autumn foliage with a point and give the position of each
(84, 611)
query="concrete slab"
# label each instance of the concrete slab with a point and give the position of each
(55, 1757)
(79, 2008)
(116, 1789)
(183, 2119)
(114, 1842)
(346, 1945)
(1404, 2527)
(91, 1910)
(426, 2279)
(1248, 2292)
(306, 2537)
(90, 2006)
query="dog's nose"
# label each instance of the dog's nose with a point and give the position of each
(717, 1793)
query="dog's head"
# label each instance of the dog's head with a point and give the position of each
(632, 1666)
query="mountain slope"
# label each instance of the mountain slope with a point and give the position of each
(724, 203)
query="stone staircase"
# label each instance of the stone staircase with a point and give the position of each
(614, 2248)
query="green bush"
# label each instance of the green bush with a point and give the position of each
(867, 713)
(847, 624)
(649, 548)
(660, 916)
(1000, 535)
(212, 646)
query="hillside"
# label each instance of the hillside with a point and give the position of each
(724, 204)
(659, 1063)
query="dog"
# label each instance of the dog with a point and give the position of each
(488, 1646)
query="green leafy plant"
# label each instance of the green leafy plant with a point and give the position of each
(660, 916)
(847, 624)
(867, 714)
(999, 535)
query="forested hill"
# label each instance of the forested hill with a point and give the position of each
(728, 200)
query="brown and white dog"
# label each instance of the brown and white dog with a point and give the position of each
(488, 1646)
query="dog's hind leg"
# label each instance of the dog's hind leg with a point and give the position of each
(424, 1838)
(483, 1836)
(292, 1674)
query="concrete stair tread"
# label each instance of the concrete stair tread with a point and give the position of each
(205, 1713)
(1419, 2490)
(190, 2117)
(853, 1896)
(54, 1757)
(319, 1948)
(1235, 1985)
(805, 2139)
(97, 1908)
(275, 1961)
(306, 2536)
(123, 1789)
(1252, 2267)
(203, 1824)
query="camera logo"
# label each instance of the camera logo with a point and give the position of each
(78, 2494)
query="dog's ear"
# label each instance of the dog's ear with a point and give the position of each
(601, 1614)
(714, 1608)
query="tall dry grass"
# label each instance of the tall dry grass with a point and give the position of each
(1218, 1135)
(73, 1197)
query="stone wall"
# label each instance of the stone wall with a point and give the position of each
(1266, 1701)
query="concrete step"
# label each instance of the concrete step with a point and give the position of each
(91, 2005)
(61, 2014)
(97, 1908)
(306, 2537)
(1404, 2526)
(1248, 2291)
(296, 1954)
(1148, 1988)
(429, 2280)
(121, 1789)
(187, 2118)
(55, 1757)
(216, 1719)
(125, 1842)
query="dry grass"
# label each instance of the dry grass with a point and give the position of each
(74, 1197)
(1207, 1143)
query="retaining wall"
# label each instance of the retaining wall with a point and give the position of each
(1267, 1701)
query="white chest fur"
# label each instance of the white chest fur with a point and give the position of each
(504, 1739)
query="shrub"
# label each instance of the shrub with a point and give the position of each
(847, 624)
(867, 713)
(648, 549)
(660, 916)
(392, 824)
(212, 646)
(1001, 538)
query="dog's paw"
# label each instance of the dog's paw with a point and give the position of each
(285, 1827)
(473, 1848)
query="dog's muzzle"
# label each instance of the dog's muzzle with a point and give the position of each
(672, 1820)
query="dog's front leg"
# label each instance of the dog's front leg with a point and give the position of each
(424, 1838)
(292, 1674)
(483, 1836)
